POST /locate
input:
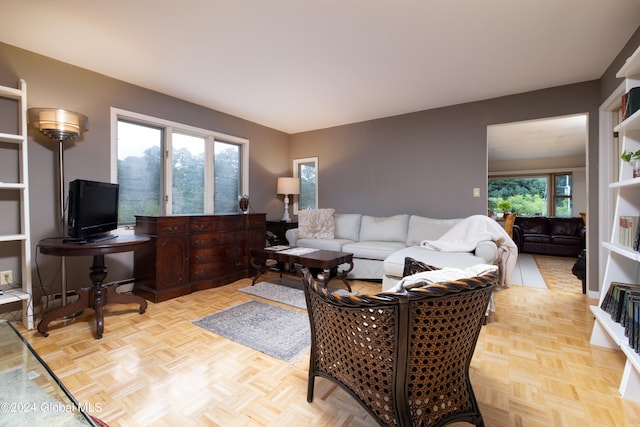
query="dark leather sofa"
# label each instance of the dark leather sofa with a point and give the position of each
(549, 235)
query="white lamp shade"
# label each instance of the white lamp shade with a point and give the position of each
(287, 185)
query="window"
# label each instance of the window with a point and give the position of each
(166, 168)
(562, 205)
(531, 195)
(307, 171)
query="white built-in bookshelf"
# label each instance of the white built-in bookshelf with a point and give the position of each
(623, 262)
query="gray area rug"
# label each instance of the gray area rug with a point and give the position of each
(273, 330)
(28, 405)
(282, 293)
(285, 290)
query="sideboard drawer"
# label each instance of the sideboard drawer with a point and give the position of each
(212, 240)
(210, 223)
(162, 226)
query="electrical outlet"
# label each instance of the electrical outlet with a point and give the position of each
(6, 277)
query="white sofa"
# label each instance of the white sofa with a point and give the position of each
(380, 244)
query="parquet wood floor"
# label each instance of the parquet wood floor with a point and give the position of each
(533, 366)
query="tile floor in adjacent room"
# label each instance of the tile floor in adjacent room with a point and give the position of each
(527, 273)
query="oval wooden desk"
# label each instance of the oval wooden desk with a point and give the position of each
(100, 294)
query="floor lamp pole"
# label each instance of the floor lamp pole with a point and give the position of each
(63, 269)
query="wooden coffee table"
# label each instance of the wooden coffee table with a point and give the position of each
(327, 261)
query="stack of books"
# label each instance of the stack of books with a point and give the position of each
(622, 302)
(628, 231)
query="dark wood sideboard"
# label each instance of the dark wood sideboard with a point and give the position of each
(194, 252)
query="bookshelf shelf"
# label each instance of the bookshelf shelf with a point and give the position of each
(622, 250)
(623, 263)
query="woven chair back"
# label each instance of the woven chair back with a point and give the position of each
(404, 358)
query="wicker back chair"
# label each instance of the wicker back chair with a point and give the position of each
(404, 358)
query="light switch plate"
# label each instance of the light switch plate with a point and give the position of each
(476, 192)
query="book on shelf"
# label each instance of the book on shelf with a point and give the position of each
(626, 315)
(632, 329)
(608, 302)
(628, 231)
(614, 301)
(631, 324)
(630, 102)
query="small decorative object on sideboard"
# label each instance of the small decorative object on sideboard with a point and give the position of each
(633, 158)
(243, 203)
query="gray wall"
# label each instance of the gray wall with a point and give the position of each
(427, 162)
(53, 83)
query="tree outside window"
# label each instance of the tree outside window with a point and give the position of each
(307, 171)
(529, 195)
(165, 168)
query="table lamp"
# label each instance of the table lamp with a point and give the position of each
(287, 186)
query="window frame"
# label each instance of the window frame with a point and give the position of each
(169, 127)
(296, 174)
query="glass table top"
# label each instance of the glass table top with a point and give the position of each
(30, 393)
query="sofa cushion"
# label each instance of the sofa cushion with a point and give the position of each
(325, 244)
(566, 240)
(538, 238)
(394, 263)
(384, 229)
(347, 226)
(413, 266)
(423, 228)
(372, 249)
(316, 223)
(532, 224)
(565, 226)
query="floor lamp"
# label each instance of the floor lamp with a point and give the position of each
(286, 186)
(63, 126)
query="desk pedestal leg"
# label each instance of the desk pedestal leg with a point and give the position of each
(65, 311)
(95, 297)
(98, 273)
(105, 294)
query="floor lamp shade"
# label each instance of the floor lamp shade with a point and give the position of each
(58, 124)
(286, 186)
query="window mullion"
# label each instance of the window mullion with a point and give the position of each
(168, 171)
(209, 184)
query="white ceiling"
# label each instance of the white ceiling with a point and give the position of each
(301, 65)
(538, 139)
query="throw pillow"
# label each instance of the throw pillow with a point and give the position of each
(413, 266)
(316, 224)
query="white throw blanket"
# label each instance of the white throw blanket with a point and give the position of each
(468, 233)
(445, 274)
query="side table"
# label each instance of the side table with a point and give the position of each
(100, 294)
(276, 231)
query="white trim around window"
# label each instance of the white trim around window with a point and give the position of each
(170, 127)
